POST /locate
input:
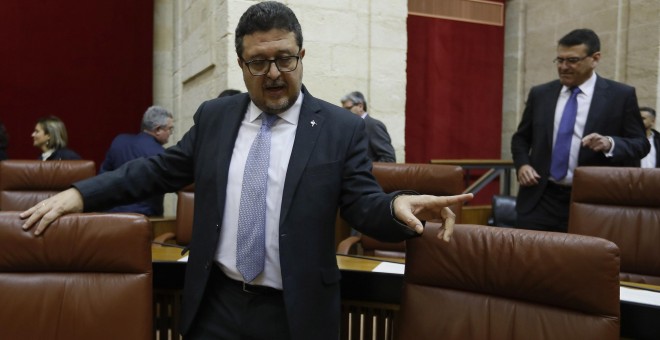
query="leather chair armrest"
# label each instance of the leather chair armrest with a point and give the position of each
(164, 238)
(345, 245)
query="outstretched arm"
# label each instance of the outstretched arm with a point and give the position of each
(411, 209)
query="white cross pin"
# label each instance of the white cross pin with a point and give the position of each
(313, 123)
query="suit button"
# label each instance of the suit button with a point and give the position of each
(207, 265)
(217, 228)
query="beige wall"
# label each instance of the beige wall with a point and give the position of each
(350, 45)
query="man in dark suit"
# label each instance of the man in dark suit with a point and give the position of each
(317, 164)
(605, 130)
(652, 159)
(157, 126)
(380, 144)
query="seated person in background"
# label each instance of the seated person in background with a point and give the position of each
(157, 126)
(652, 159)
(4, 142)
(380, 144)
(50, 137)
(228, 92)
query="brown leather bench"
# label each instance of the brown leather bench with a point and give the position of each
(89, 276)
(24, 183)
(621, 205)
(504, 283)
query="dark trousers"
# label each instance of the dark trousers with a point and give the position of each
(230, 313)
(551, 213)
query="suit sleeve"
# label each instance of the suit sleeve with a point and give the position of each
(632, 145)
(363, 204)
(521, 141)
(142, 178)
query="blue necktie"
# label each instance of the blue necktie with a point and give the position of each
(561, 151)
(251, 240)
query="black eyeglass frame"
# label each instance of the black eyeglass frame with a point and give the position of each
(270, 62)
(569, 61)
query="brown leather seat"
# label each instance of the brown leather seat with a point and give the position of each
(88, 277)
(503, 283)
(185, 208)
(429, 179)
(621, 205)
(23, 183)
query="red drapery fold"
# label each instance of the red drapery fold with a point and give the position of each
(454, 91)
(87, 62)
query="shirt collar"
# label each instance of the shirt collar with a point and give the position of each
(290, 116)
(587, 87)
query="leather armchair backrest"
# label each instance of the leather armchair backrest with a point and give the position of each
(621, 205)
(504, 283)
(185, 210)
(429, 179)
(89, 276)
(23, 183)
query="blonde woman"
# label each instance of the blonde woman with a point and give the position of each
(50, 137)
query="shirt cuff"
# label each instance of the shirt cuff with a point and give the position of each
(610, 152)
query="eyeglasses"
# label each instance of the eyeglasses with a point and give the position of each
(569, 61)
(259, 67)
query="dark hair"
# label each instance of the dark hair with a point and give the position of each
(582, 36)
(263, 17)
(357, 98)
(647, 109)
(228, 92)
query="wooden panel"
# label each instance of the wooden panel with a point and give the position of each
(476, 214)
(482, 12)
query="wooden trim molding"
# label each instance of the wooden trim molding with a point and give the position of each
(476, 11)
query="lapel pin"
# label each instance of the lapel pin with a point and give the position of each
(313, 123)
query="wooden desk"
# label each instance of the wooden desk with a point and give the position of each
(162, 224)
(370, 301)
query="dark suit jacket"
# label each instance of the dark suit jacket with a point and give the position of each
(125, 148)
(63, 154)
(380, 143)
(613, 112)
(328, 169)
(656, 143)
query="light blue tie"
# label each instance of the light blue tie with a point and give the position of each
(251, 240)
(562, 149)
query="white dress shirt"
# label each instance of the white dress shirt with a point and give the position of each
(584, 103)
(283, 134)
(649, 160)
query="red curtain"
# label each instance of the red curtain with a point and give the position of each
(87, 62)
(454, 91)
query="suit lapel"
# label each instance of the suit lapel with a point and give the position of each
(309, 128)
(550, 107)
(598, 106)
